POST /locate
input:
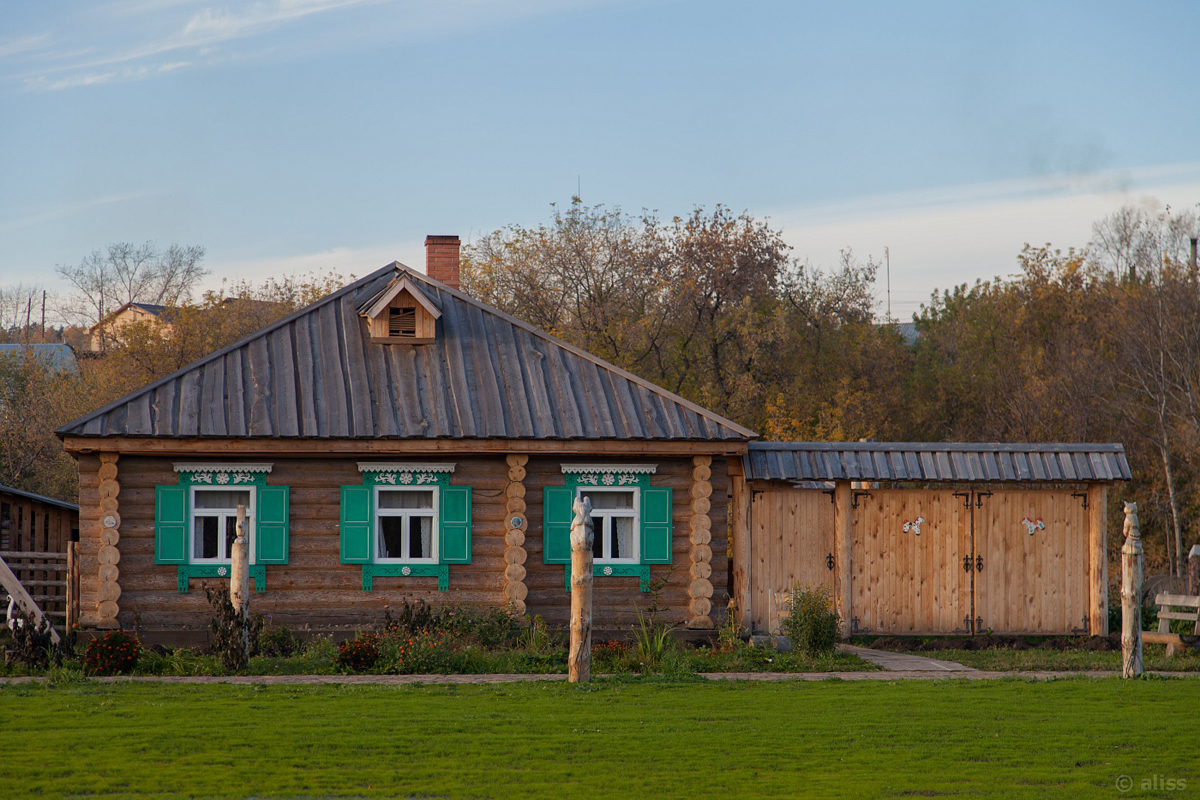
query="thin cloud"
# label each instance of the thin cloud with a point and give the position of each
(71, 208)
(148, 31)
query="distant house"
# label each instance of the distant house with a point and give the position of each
(109, 329)
(58, 355)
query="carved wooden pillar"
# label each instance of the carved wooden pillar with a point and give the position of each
(700, 590)
(108, 587)
(516, 524)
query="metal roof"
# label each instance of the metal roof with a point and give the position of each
(56, 355)
(38, 497)
(935, 462)
(315, 375)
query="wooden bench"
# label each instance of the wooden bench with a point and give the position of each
(1190, 612)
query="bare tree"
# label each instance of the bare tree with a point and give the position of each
(126, 273)
(20, 310)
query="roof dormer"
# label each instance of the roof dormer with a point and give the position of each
(401, 314)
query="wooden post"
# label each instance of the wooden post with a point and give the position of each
(739, 532)
(579, 661)
(239, 577)
(1131, 596)
(1194, 570)
(1098, 559)
(842, 545)
(72, 586)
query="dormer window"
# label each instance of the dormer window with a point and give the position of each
(401, 314)
(402, 322)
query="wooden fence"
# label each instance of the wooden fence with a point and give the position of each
(932, 561)
(51, 579)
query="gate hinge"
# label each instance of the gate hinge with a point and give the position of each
(854, 498)
(966, 496)
(829, 561)
(979, 498)
(1084, 496)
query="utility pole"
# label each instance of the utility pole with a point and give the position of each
(887, 260)
(43, 315)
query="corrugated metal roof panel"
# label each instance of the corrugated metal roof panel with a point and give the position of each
(936, 462)
(314, 374)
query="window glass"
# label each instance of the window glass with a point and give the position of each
(222, 499)
(405, 525)
(214, 522)
(614, 523)
(405, 499)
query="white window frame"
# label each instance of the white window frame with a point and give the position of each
(635, 514)
(381, 512)
(194, 512)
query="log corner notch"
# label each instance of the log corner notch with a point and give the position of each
(516, 523)
(1098, 558)
(700, 589)
(108, 587)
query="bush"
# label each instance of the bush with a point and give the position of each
(32, 644)
(114, 653)
(426, 652)
(411, 618)
(360, 653)
(278, 642)
(812, 626)
(231, 632)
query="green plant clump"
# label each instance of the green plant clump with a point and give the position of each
(114, 653)
(812, 625)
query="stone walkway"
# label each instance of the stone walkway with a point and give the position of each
(904, 662)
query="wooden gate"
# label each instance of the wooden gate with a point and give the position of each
(1031, 562)
(907, 571)
(791, 542)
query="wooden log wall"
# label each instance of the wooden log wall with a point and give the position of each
(615, 600)
(315, 589)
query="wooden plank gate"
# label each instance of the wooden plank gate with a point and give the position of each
(930, 561)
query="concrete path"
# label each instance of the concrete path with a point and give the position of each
(904, 662)
(413, 680)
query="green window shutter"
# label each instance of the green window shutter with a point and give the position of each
(556, 524)
(170, 525)
(455, 520)
(656, 525)
(356, 524)
(271, 541)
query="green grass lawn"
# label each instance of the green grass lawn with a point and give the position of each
(1154, 657)
(632, 738)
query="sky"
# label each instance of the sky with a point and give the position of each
(309, 136)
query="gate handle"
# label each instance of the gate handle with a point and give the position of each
(966, 563)
(979, 563)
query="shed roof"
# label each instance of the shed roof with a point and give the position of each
(315, 375)
(38, 498)
(57, 355)
(936, 462)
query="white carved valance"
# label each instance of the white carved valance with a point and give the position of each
(395, 466)
(231, 467)
(633, 469)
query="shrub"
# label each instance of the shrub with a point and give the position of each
(411, 618)
(278, 642)
(232, 633)
(812, 625)
(114, 653)
(424, 653)
(32, 645)
(360, 653)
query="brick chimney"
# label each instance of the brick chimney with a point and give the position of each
(441, 259)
